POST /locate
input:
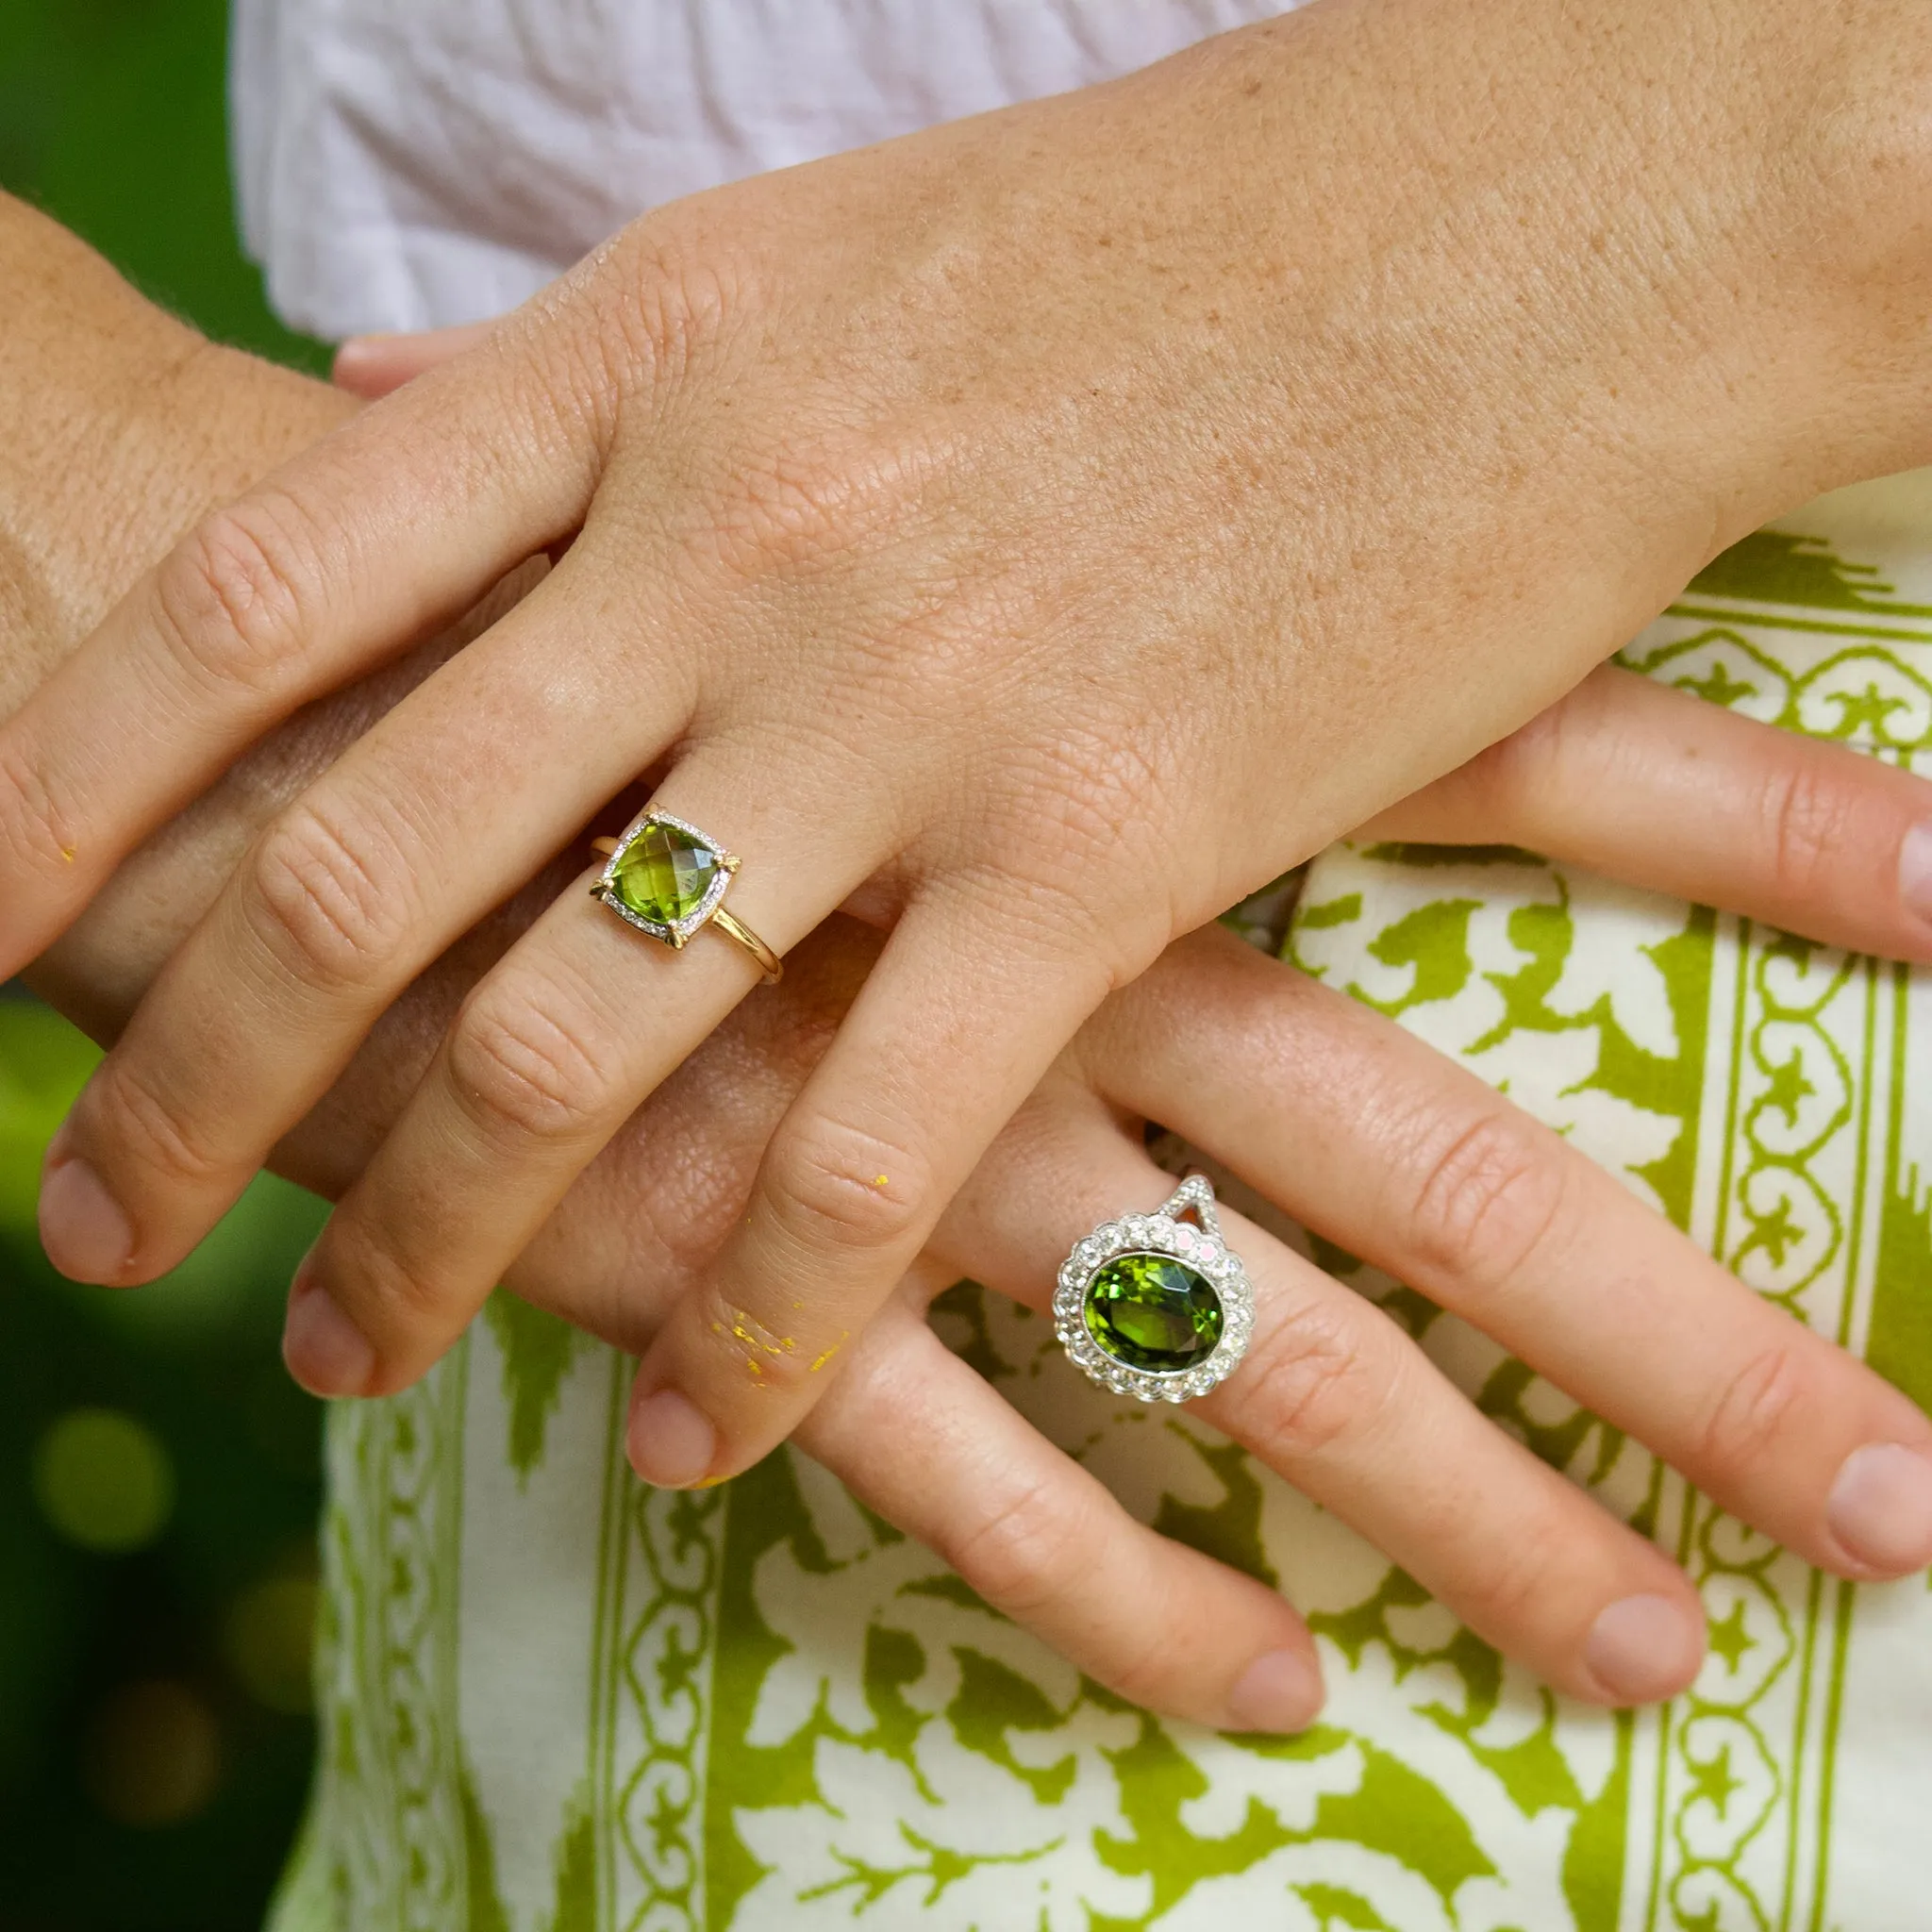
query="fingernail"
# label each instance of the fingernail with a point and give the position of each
(672, 1442)
(86, 1234)
(1915, 870)
(355, 349)
(324, 1351)
(1281, 1690)
(1881, 1507)
(1644, 1648)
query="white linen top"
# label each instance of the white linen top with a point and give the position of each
(408, 163)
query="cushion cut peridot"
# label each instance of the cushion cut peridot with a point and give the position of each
(1152, 1312)
(663, 873)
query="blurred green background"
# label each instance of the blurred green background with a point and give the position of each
(158, 1473)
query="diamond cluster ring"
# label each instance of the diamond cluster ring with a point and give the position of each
(669, 879)
(1154, 1306)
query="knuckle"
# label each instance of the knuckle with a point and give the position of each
(1488, 1199)
(1752, 1412)
(1313, 1385)
(1104, 793)
(1029, 1550)
(322, 903)
(1811, 821)
(525, 1070)
(230, 595)
(773, 1363)
(393, 1300)
(802, 507)
(679, 294)
(831, 1180)
(39, 829)
(146, 1124)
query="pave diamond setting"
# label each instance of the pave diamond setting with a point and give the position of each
(1154, 1306)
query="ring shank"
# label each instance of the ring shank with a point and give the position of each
(736, 929)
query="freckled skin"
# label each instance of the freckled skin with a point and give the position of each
(583, 1270)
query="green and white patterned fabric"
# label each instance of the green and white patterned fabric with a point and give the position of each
(555, 1701)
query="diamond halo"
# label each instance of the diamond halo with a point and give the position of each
(1200, 1249)
(677, 932)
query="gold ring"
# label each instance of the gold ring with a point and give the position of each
(667, 878)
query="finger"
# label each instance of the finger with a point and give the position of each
(1333, 1396)
(385, 530)
(942, 1047)
(1405, 1158)
(550, 1054)
(413, 836)
(1042, 1541)
(372, 366)
(1658, 789)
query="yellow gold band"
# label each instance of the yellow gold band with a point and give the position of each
(736, 929)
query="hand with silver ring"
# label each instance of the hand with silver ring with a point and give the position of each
(1342, 1120)
(1333, 1115)
(1035, 533)
(1157, 1306)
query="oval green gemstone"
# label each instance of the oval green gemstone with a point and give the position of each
(1152, 1312)
(663, 874)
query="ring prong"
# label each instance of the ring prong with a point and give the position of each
(731, 861)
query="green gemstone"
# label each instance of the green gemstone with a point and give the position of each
(663, 873)
(1152, 1312)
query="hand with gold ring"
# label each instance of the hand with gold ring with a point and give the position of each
(1338, 1117)
(1035, 533)
(1331, 1113)
(666, 878)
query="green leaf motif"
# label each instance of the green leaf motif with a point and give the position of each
(994, 1700)
(1342, 911)
(1398, 1812)
(576, 1909)
(1336, 1908)
(941, 1866)
(1229, 1530)
(1434, 939)
(1773, 567)
(486, 1904)
(538, 1349)
(1900, 1344)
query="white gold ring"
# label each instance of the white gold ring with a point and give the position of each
(1154, 1306)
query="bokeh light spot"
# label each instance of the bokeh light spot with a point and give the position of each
(154, 1754)
(104, 1480)
(270, 1639)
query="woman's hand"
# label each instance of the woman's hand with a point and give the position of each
(1045, 530)
(1366, 1135)
(1371, 1138)
(1337, 1114)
